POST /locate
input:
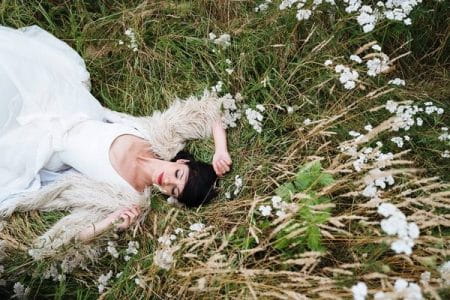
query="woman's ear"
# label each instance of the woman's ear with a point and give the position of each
(182, 161)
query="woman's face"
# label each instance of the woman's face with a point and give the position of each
(172, 177)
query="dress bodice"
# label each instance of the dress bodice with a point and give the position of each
(86, 149)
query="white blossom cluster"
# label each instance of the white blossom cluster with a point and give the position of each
(303, 13)
(254, 118)
(402, 290)
(132, 249)
(399, 10)
(166, 240)
(445, 273)
(54, 274)
(377, 65)
(348, 77)
(397, 81)
(237, 187)
(229, 70)
(356, 58)
(218, 87)
(20, 291)
(132, 36)
(196, 228)
(103, 281)
(278, 205)
(111, 248)
(263, 6)
(231, 114)
(359, 291)
(164, 257)
(444, 136)
(395, 224)
(367, 18)
(446, 154)
(377, 179)
(405, 114)
(399, 141)
(366, 155)
(223, 40)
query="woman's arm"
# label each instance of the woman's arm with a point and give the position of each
(128, 215)
(221, 159)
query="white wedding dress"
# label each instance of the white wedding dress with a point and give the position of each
(49, 121)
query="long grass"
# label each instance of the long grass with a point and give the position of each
(278, 62)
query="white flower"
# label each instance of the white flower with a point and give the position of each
(223, 40)
(307, 121)
(419, 121)
(263, 6)
(178, 230)
(303, 14)
(359, 291)
(356, 58)
(406, 290)
(103, 281)
(20, 292)
(260, 107)
(228, 61)
(254, 118)
(445, 154)
(354, 133)
(387, 209)
(229, 70)
(265, 210)
(425, 276)
(376, 66)
(391, 106)
(445, 272)
(368, 127)
(290, 110)
(328, 62)
(276, 201)
(218, 87)
(163, 258)
(197, 227)
(395, 224)
(132, 36)
(398, 141)
(112, 249)
(376, 47)
(165, 240)
(280, 213)
(172, 200)
(133, 247)
(397, 81)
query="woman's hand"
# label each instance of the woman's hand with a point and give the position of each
(221, 162)
(123, 218)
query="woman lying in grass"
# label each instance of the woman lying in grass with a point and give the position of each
(62, 150)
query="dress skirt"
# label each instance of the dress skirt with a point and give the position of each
(44, 92)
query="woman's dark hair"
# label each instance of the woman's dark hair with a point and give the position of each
(200, 185)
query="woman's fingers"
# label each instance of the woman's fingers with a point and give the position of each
(217, 168)
(224, 166)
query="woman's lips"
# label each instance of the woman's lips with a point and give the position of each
(160, 177)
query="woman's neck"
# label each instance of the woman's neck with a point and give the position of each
(127, 154)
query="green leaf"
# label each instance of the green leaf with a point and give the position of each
(313, 238)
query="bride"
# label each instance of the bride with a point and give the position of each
(60, 149)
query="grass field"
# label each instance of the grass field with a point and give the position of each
(312, 152)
